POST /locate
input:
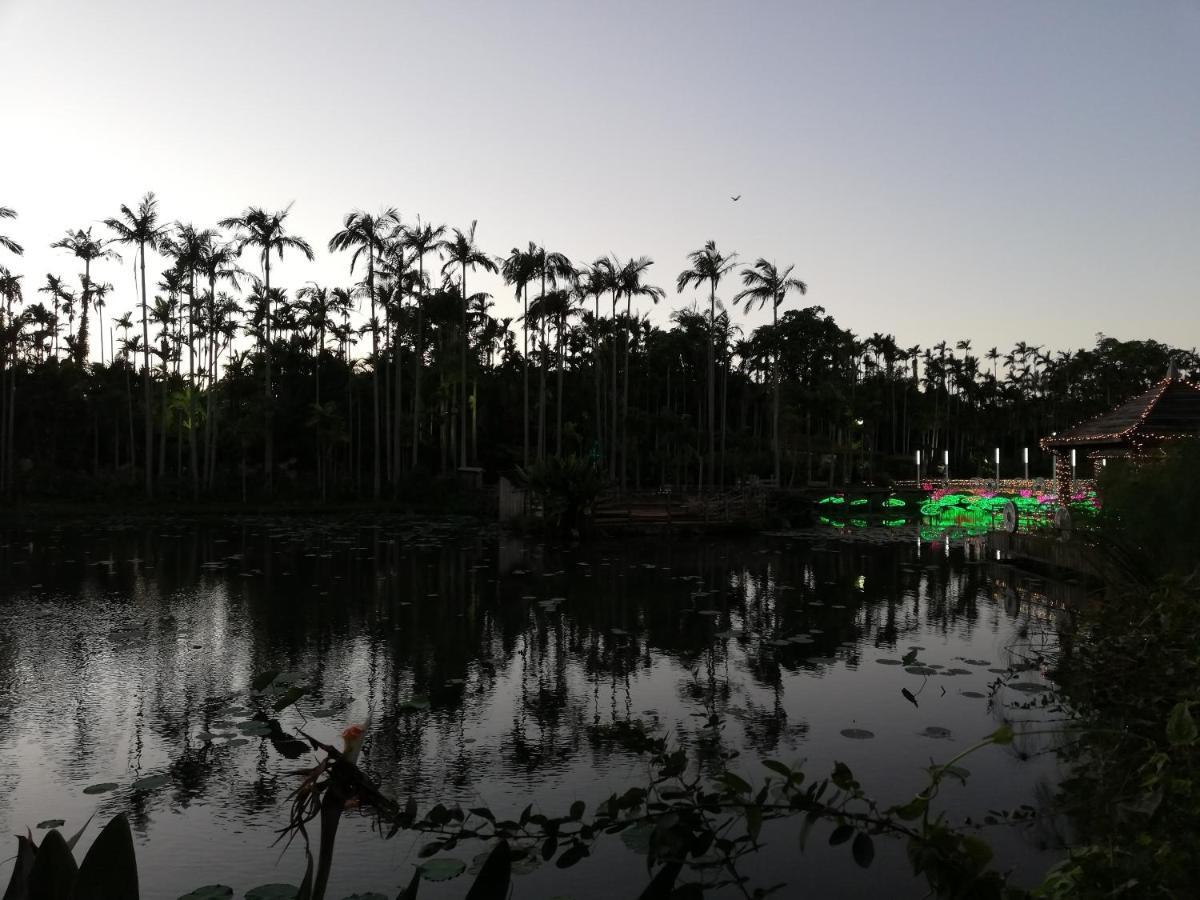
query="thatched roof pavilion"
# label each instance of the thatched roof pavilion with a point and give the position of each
(1139, 427)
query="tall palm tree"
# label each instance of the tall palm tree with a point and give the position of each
(58, 293)
(462, 251)
(421, 239)
(629, 282)
(81, 243)
(552, 267)
(217, 262)
(6, 242)
(10, 330)
(100, 292)
(267, 233)
(361, 232)
(765, 283)
(604, 278)
(517, 270)
(708, 265)
(142, 228)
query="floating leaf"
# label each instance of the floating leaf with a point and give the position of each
(52, 823)
(1028, 687)
(908, 695)
(936, 732)
(291, 696)
(150, 782)
(920, 670)
(273, 892)
(441, 869)
(210, 892)
(102, 788)
(857, 734)
(263, 680)
(889, 662)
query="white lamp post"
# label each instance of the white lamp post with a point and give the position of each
(1026, 463)
(946, 464)
(1072, 469)
(918, 468)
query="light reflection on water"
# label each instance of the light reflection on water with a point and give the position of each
(120, 647)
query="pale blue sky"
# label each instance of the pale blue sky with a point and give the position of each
(996, 171)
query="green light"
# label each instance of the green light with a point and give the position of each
(894, 503)
(832, 500)
(861, 501)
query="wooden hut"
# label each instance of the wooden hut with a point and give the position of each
(1139, 428)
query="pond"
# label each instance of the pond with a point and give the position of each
(484, 669)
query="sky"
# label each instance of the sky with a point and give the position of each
(935, 170)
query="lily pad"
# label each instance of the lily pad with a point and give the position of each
(441, 869)
(977, 662)
(210, 892)
(1028, 687)
(857, 734)
(920, 670)
(974, 695)
(102, 788)
(52, 823)
(937, 732)
(889, 662)
(150, 782)
(273, 892)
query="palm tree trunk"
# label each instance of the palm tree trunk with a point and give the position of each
(462, 373)
(558, 428)
(149, 454)
(614, 429)
(712, 387)
(81, 348)
(542, 353)
(398, 407)
(269, 438)
(418, 354)
(625, 398)
(525, 374)
(375, 482)
(192, 386)
(778, 387)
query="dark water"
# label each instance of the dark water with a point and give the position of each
(126, 653)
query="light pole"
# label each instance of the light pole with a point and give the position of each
(997, 468)
(1072, 470)
(918, 468)
(946, 465)
(1026, 463)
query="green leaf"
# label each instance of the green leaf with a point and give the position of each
(53, 870)
(263, 680)
(863, 849)
(1002, 735)
(441, 869)
(841, 834)
(492, 882)
(102, 788)
(1181, 727)
(778, 767)
(577, 810)
(291, 696)
(977, 851)
(150, 782)
(913, 809)
(273, 892)
(754, 821)
(572, 855)
(210, 892)
(735, 783)
(109, 870)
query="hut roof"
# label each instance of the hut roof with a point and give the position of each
(1170, 409)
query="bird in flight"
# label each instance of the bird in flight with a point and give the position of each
(736, 199)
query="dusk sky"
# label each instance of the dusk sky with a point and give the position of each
(994, 171)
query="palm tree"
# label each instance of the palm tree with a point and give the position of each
(764, 283)
(554, 267)
(421, 239)
(100, 294)
(708, 264)
(217, 261)
(629, 283)
(10, 331)
(6, 242)
(462, 251)
(363, 231)
(58, 293)
(87, 248)
(517, 269)
(266, 232)
(142, 228)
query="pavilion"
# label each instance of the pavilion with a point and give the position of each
(1139, 428)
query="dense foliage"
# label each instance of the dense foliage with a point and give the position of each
(217, 381)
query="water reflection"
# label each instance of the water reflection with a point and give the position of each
(487, 669)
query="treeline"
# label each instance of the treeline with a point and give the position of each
(219, 382)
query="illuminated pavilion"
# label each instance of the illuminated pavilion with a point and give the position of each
(1138, 428)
